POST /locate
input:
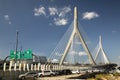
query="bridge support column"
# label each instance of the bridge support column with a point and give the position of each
(10, 66)
(15, 65)
(38, 68)
(24, 67)
(58, 67)
(20, 67)
(4, 67)
(27, 67)
(35, 67)
(48, 66)
(31, 67)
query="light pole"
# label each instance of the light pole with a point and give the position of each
(16, 47)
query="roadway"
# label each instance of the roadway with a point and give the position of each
(62, 77)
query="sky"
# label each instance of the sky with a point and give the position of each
(42, 23)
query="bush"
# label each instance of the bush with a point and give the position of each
(98, 77)
(116, 74)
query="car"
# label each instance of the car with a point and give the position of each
(117, 71)
(65, 72)
(28, 75)
(57, 72)
(98, 70)
(118, 68)
(75, 71)
(46, 73)
(83, 71)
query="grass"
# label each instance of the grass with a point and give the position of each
(105, 76)
(116, 74)
(98, 76)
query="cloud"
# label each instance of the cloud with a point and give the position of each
(7, 18)
(39, 11)
(40, 53)
(50, 24)
(82, 53)
(55, 61)
(51, 0)
(64, 11)
(53, 11)
(58, 54)
(73, 52)
(90, 15)
(61, 18)
(119, 57)
(114, 31)
(9, 22)
(59, 22)
(59, 15)
(78, 43)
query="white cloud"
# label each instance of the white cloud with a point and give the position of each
(114, 31)
(51, 0)
(60, 21)
(40, 53)
(39, 11)
(58, 54)
(78, 43)
(9, 22)
(59, 15)
(7, 18)
(90, 15)
(73, 52)
(64, 11)
(54, 60)
(53, 11)
(119, 57)
(82, 53)
(50, 24)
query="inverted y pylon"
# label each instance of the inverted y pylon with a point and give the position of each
(74, 32)
(100, 48)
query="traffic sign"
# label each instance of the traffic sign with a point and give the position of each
(20, 55)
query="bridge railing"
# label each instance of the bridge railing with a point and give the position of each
(39, 67)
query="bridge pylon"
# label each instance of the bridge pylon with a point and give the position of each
(69, 43)
(104, 56)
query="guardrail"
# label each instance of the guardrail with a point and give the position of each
(38, 66)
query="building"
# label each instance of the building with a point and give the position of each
(39, 59)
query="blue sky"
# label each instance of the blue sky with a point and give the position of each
(42, 23)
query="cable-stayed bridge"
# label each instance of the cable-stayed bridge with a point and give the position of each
(73, 47)
(72, 52)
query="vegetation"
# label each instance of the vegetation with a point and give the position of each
(115, 76)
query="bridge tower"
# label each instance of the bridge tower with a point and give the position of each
(69, 43)
(104, 56)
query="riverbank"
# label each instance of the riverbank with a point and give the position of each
(98, 76)
(115, 76)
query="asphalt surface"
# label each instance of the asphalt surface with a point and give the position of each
(62, 77)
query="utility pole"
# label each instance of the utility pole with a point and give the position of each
(16, 47)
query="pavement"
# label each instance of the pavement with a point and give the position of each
(62, 77)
